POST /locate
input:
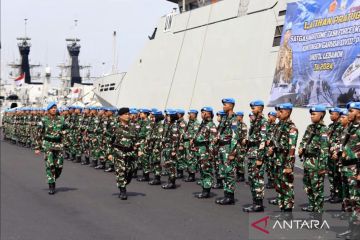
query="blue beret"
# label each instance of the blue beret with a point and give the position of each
(285, 106)
(171, 112)
(354, 105)
(335, 109)
(228, 100)
(168, 109)
(180, 111)
(344, 112)
(239, 113)
(193, 111)
(133, 111)
(144, 110)
(318, 108)
(221, 113)
(207, 109)
(272, 113)
(257, 103)
(50, 105)
(157, 112)
(154, 110)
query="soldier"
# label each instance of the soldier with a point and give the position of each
(256, 151)
(282, 150)
(64, 111)
(191, 159)
(135, 124)
(269, 161)
(109, 122)
(143, 157)
(203, 144)
(99, 136)
(227, 128)
(85, 144)
(314, 152)
(219, 182)
(76, 136)
(53, 127)
(122, 151)
(171, 145)
(241, 136)
(333, 169)
(350, 157)
(181, 152)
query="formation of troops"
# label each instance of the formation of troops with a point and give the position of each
(176, 145)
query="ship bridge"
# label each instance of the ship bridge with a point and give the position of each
(187, 5)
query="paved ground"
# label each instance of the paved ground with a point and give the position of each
(86, 205)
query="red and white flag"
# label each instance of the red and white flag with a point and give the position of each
(75, 93)
(20, 79)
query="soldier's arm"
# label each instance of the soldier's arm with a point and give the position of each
(212, 137)
(324, 147)
(293, 136)
(305, 137)
(263, 139)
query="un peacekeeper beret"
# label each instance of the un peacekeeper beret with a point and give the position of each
(180, 111)
(221, 113)
(272, 113)
(123, 111)
(285, 106)
(228, 100)
(171, 112)
(354, 105)
(50, 105)
(154, 110)
(144, 110)
(157, 112)
(257, 103)
(207, 109)
(133, 111)
(318, 108)
(193, 111)
(112, 109)
(64, 108)
(335, 109)
(239, 113)
(344, 112)
(167, 110)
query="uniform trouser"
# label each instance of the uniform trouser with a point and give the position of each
(181, 162)
(269, 166)
(191, 161)
(334, 175)
(351, 192)
(206, 168)
(284, 186)
(53, 164)
(169, 163)
(144, 160)
(240, 161)
(155, 162)
(257, 185)
(227, 169)
(124, 169)
(314, 188)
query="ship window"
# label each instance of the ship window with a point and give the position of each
(106, 89)
(277, 37)
(111, 88)
(112, 84)
(106, 85)
(282, 13)
(101, 90)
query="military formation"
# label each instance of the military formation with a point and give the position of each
(138, 143)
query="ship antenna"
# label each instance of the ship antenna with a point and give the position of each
(25, 20)
(114, 54)
(76, 22)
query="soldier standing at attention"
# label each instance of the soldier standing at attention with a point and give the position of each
(219, 182)
(314, 151)
(53, 127)
(269, 161)
(143, 156)
(191, 160)
(241, 136)
(122, 151)
(256, 151)
(227, 128)
(181, 153)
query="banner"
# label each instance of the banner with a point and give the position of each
(319, 56)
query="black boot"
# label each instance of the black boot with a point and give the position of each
(58, 172)
(93, 163)
(72, 157)
(270, 184)
(135, 173)
(307, 209)
(241, 177)
(273, 201)
(122, 194)
(100, 165)
(144, 178)
(66, 155)
(109, 169)
(228, 199)
(51, 188)
(77, 159)
(218, 184)
(336, 199)
(204, 194)
(180, 173)
(170, 184)
(257, 207)
(190, 178)
(155, 181)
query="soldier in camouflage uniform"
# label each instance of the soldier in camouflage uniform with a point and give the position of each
(191, 159)
(202, 145)
(64, 111)
(314, 152)
(122, 151)
(350, 158)
(85, 143)
(94, 132)
(109, 121)
(282, 150)
(52, 127)
(256, 152)
(135, 124)
(241, 136)
(98, 146)
(170, 147)
(76, 136)
(181, 152)
(143, 158)
(219, 182)
(268, 160)
(226, 130)
(333, 169)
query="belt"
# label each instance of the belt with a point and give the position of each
(54, 140)
(350, 162)
(124, 149)
(201, 144)
(223, 143)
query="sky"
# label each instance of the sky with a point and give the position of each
(50, 22)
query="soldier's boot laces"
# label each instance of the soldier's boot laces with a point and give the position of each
(51, 188)
(204, 194)
(218, 184)
(190, 178)
(155, 181)
(180, 173)
(122, 194)
(144, 178)
(170, 184)
(228, 199)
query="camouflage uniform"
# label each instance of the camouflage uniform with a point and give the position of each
(241, 135)
(191, 159)
(269, 161)
(143, 160)
(181, 152)
(315, 145)
(85, 144)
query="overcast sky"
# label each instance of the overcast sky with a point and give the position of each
(51, 21)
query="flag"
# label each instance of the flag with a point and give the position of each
(20, 79)
(75, 93)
